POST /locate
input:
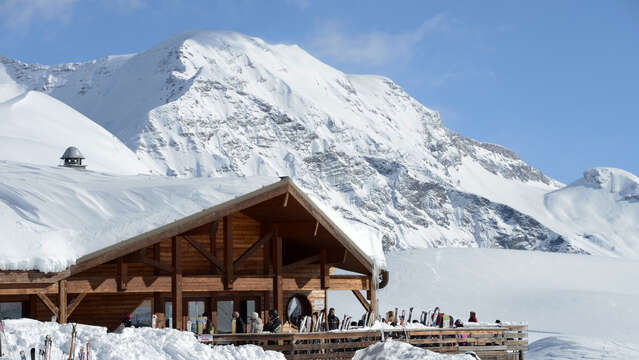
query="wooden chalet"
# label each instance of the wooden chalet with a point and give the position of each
(252, 253)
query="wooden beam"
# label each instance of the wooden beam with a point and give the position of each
(373, 296)
(251, 250)
(75, 303)
(213, 249)
(158, 265)
(316, 229)
(278, 288)
(176, 282)
(285, 202)
(122, 274)
(62, 302)
(362, 301)
(208, 255)
(228, 252)
(49, 304)
(302, 262)
(29, 277)
(324, 280)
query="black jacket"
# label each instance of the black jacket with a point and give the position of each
(240, 326)
(333, 322)
(273, 325)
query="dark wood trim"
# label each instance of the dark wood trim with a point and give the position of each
(309, 260)
(228, 252)
(316, 229)
(248, 252)
(157, 256)
(208, 255)
(285, 201)
(362, 300)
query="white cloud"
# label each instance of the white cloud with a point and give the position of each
(374, 48)
(15, 13)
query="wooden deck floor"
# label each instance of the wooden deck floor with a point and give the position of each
(490, 343)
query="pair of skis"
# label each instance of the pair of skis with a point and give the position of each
(346, 323)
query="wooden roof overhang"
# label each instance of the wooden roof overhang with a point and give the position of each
(305, 230)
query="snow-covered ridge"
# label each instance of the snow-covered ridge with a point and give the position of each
(213, 103)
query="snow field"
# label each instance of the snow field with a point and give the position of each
(132, 343)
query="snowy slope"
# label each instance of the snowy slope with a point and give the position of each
(36, 128)
(131, 344)
(576, 306)
(214, 103)
(211, 103)
(51, 216)
(556, 294)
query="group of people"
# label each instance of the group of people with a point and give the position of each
(437, 319)
(256, 325)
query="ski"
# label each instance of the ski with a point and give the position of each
(88, 351)
(47, 347)
(395, 318)
(401, 319)
(33, 353)
(410, 315)
(72, 350)
(1, 335)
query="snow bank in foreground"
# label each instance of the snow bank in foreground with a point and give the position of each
(563, 347)
(396, 350)
(142, 343)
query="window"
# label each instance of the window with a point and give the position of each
(224, 316)
(10, 310)
(197, 317)
(142, 315)
(298, 307)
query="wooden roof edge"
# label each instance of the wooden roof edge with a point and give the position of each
(179, 226)
(335, 230)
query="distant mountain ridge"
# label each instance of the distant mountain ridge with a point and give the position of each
(213, 103)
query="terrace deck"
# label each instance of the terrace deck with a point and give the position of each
(489, 343)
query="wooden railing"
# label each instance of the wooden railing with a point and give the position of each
(499, 343)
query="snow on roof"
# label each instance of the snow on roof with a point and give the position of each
(52, 216)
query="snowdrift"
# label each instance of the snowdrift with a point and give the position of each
(51, 216)
(37, 128)
(132, 343)
(396, 350)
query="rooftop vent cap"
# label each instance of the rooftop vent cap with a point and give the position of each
(72, 157)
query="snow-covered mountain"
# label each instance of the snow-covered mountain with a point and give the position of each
(214, 103)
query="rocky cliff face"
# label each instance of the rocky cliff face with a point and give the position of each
(212, 103)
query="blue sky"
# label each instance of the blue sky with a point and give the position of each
(555, 81)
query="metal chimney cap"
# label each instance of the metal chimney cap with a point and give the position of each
(72, 152)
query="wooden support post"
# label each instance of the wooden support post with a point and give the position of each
(62, 302)
(75, 303)
(278, 293)
(316, 229)
(158, 309)
(176, 282)
(373, 296)
(123, 276)
(212, 243)
(228, 253)
(323, 269)
(267, 248)
(285, 202)
(361, 300)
